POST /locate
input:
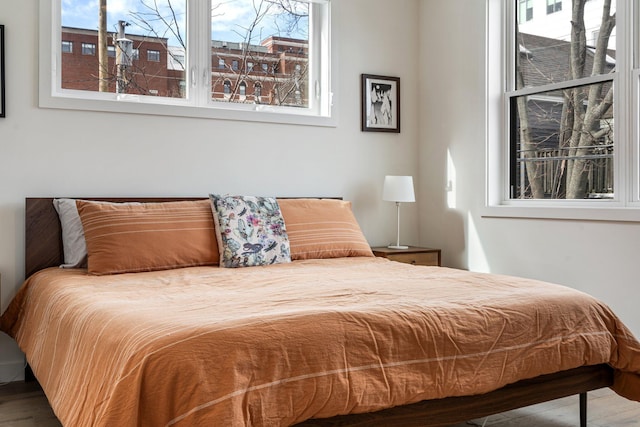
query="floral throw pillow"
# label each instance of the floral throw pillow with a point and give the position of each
(250, 231)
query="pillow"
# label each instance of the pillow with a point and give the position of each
(132, 237)
(74, 247)
(323, 228)
(250, 231)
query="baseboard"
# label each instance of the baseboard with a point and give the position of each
(11, 371)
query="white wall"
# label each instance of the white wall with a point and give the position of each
(49, 152)
(53, 152)
(599, 258)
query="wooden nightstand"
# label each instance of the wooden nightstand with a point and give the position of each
(414, 255)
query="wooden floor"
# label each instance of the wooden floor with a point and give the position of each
(24, 405)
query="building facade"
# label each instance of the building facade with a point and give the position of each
(552, 19)
(274, 72)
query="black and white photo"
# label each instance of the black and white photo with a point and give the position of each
(380, 103)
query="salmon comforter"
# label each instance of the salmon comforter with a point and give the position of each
(272, 346)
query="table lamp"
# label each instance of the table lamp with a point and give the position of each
(398, 189)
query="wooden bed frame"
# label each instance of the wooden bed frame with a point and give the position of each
(43, 248)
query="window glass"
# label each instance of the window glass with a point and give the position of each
(176, 59)
(67, 46)
(88, 49)
(554, 6)
(257, 31)
(525, 10)
(550, 49)
(153, 55)
(562, 140)
(552, 160)
(130, 26)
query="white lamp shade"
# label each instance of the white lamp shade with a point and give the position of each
(398, 189)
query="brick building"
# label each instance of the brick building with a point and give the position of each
(274, 72)
(147, 75)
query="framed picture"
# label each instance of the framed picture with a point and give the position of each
(380, 103)
(2, 104)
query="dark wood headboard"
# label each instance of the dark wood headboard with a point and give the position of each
(43, 233)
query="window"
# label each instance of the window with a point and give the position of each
(570, 131)
(525, 11)
(554, 6)
(162, 29)
(111, 51)
(88, 49)
(176, 60)
(227, 87)
(257, 91)
(562, 137)
(153, 55)
(67, 46)
(243, 89)
(265, 67)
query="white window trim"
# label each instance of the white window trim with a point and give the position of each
(626, 204)
(52, 96)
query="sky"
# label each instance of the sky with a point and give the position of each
(230, 18)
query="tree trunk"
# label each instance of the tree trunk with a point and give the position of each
(527, 146)
(528, 149)
(588, 122)
(103, 58)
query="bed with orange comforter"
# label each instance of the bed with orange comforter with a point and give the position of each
(280, 344)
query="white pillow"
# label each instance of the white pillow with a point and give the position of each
(73, 242)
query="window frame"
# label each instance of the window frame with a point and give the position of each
(197, 102)
(526, 4)
(153, 55)
(625, 206)
(88, 49)
(552, 6)
(68, 43)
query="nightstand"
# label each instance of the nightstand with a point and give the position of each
(414, 255)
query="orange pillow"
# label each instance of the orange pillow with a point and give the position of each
(132, 237)
(322, 228)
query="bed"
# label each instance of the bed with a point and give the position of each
(353, 340)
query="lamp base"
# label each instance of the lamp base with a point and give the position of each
(398, 247)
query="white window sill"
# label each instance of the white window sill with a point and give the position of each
(612, 213)
(181, 108)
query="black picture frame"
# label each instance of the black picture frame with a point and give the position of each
(2, 85)
(380, 105)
